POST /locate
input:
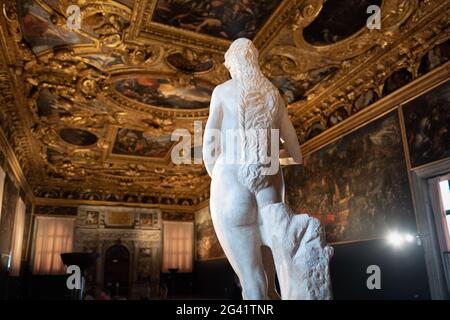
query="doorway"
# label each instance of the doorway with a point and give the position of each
(432, 224)
(439, 192)
(117, 271)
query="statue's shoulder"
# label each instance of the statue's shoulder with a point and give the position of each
(226, 86)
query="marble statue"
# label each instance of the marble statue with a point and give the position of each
(247, 115)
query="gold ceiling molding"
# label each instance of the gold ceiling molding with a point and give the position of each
(13, 142)
(394, 13)
(143, 28)
(180, 79)
(75, 203)
(282, 15)
(79, 86)
(72, 196)
(405, 48)
(301, 57)
(67, 152)
(16, 168)
(118, 99)
(379, 108)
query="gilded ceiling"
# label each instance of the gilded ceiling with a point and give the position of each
(89, 111)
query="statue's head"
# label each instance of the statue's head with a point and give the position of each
(242, 55)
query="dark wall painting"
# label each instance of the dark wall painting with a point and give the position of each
(228, 19)
(10, 196)
(427, 122)
(207, 245)
(136, 143)
(164, 93)
(329, 27)
(39, 31)
(357, 186)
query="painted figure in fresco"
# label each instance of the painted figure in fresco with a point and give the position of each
(229, 19)
(133, 142)
(163, 93)
(246, 201)
(427, 121)
(39, 32)
(357, 186)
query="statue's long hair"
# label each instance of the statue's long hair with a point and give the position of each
(258, 108)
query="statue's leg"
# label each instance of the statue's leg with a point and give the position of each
(264, 197)
(297, 242)
(233, 211)
(300, 252)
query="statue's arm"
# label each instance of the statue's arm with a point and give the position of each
(211, 139)
(289, 136)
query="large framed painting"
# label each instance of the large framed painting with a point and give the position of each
(427, 124)
(10, 195)
(357, 186)
(207, 245)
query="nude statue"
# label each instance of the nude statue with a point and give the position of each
(247, 191)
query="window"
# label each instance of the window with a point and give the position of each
(178, 246)
(17, 240)
(445, 196)
(53, 237)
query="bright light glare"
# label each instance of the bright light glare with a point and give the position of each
(409, 237)
(397, 239)
(445, 193)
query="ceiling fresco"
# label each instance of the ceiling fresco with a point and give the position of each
(190, 61)
(164, 92)
(78, 137)
(104, 61)
(228, 19)
(338, 20)
(137, 143)
(295, 87)
(89, 112)
(40, 32)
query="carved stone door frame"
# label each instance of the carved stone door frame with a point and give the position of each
(425, 218)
